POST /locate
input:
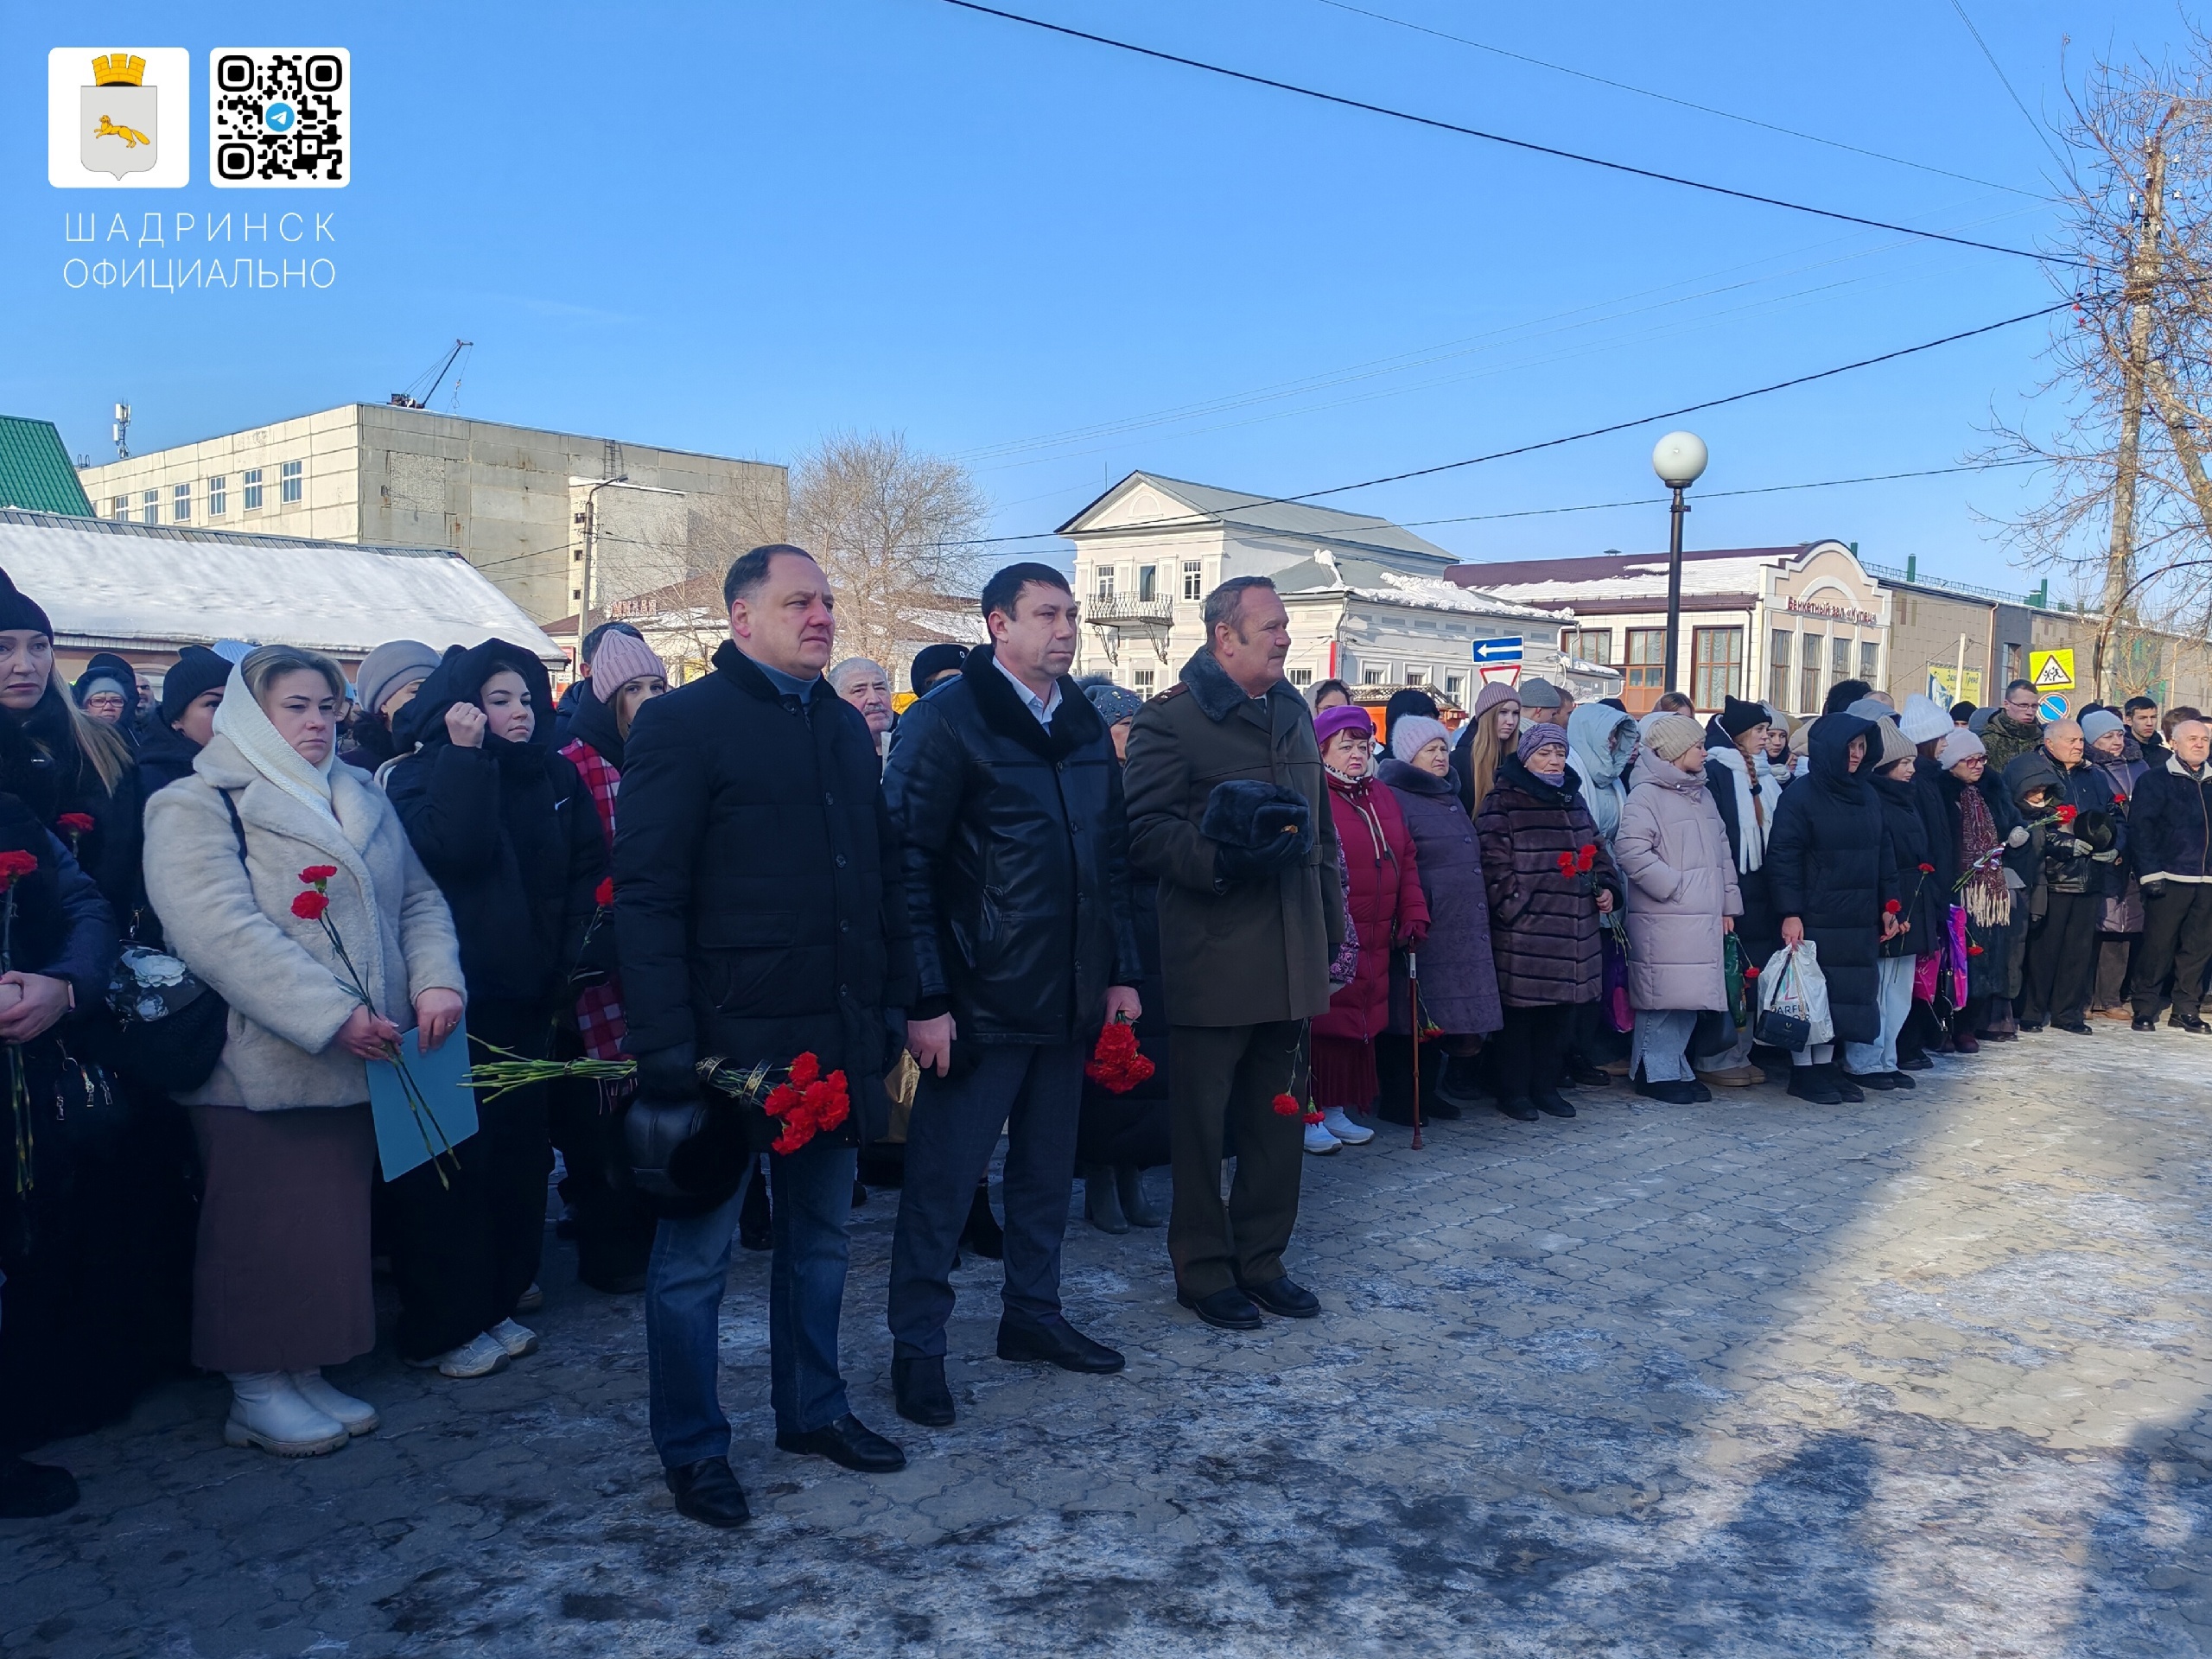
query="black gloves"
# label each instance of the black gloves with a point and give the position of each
(2154, 889)
(1258, 829)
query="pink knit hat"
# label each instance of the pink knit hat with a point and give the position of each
(622, 657)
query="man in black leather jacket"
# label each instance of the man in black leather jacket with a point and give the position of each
(1006, 794)
(759, 916)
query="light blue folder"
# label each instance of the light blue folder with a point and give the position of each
(403, 1139)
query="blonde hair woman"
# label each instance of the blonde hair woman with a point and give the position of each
(1491, 731)
(280, 1282)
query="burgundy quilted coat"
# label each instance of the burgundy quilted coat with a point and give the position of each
(1543, 925)
(1386, 897)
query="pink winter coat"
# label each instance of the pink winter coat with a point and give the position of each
(1387, 903)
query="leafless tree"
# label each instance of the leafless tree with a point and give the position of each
(2130, 367)
(893, 528)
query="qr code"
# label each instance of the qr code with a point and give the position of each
(281, 116)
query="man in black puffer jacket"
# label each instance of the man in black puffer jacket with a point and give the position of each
(759, 915)
(2171, 821)
(1005, 788)
(507, 831)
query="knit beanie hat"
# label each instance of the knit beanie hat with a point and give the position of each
(1801, 739)
(1737, 716)
(1345, 717)
(1536, 736)
(1672, 736)
(1115, 704)
(2098, 722)
(1924, 719)
(1959, 744)
(387, 668)
(1414, 733)
(622, 657)
(17, 612)
(1539, 694)
(1867, 708)
(1493, 693)
(197, 669)
(1895, 745)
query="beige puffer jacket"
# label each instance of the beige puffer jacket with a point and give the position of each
(1681, 881)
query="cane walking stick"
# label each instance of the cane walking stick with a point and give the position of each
(1413, 998)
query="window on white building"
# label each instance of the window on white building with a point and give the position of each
(1105, 588)
(1143, 676)
(1370, 677)
(1301, 678)
(253, 489)
(1147, 580)
(288, 475)
(1777, 668)
(120, 507)
(219, 495)
(1194, 579)
(1416, 676)
(149, 507)
(181, 504)
(1870, 662)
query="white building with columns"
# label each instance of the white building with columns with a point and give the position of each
(1370, 602)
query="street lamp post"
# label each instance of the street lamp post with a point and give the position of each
(591, 488)
(1679, 458)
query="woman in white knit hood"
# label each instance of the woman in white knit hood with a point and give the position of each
(280, 1282)
(1745, 791)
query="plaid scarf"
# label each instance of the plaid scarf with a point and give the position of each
(599, 1010)
(1988, 899)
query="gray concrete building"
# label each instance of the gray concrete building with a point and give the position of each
(512, 500)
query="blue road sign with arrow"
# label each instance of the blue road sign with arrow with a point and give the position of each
(1499, 652)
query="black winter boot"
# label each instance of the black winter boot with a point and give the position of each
(982, 1234)
(1101, 1199)
(1136, 1204)
(1811, 1083)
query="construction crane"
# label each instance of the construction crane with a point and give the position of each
(435, 375)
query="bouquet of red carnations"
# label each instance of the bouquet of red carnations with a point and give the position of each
(1116, 1063)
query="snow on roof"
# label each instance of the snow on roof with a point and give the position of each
(1366, 579)
(160, 586)
(1645, 581)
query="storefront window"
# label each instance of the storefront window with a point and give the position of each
(1716, 665)
(1778, 672)
(1809, 675)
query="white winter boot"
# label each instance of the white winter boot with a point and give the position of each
(358, 1416)
(268, 1411)
(1340, 1123)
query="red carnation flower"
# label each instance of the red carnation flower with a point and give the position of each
(1586, 858)
(603, 894)
(1116, 1064)
(1751, 972)
(74, 823)
(2068, 814)
(309, 906)
(2119, 800)
(1567, 864)
(1974, 950)
(14, 866)
(1928, 869)
(1287, 1106)
(315, 874)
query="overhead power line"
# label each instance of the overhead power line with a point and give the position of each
(2006, 81)
(1185, 520)
(1679, 103)
(1530, 145)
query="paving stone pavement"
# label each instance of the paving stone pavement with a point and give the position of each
(1924, 1375)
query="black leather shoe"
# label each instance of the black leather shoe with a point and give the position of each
(1880, 1082)
(1584, 1076)
(1521, 1108)
(1225, 1310)
(2029, 1028)
(1902, 1080)
(1441, 1110)
(2080, 1027)
(2141, 1024)
(1673, 1094)
(1056, 1343)
(919, 1387)
(847, 1442)
(1550, 1100)
(2191, 1023)
(1915, 1062)
(1846, 1091)
(708, 1493)
(1284, 1298)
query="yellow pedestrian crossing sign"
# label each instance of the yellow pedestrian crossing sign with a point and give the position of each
(2051, 671)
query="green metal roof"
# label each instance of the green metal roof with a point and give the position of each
(36, 471)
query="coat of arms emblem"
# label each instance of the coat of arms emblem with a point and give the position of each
(118, 116)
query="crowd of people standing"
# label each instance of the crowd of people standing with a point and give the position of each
(225, 903)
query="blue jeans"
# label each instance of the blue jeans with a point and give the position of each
(811, 1195)
(1036, 1091)
(1893, 995)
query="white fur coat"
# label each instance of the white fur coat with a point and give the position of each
(233, 924)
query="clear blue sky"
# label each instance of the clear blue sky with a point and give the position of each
(732, 227)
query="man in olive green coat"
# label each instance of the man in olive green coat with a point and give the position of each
(1246, 949)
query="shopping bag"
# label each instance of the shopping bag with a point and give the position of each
(1618, 1013)
(1923, 976)
(1732, 977)
(1794, 998)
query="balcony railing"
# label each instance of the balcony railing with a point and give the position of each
(1117, 611)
